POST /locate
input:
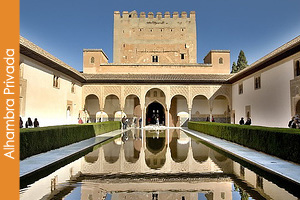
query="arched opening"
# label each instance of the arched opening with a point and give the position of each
(68, 113)
(119, 115)
(111, 106)
(200, 108)
(298, 108)
(92, 106)
(221, 111)
(200, 151)
(177, 111)
(101, 116)
(155, 111)
(133, 109)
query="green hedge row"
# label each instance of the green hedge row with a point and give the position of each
(281, 142)
(38, 140)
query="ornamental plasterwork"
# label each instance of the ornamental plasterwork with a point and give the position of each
(179, 90)
(200, 90)
(135, 90)
(95, 90)
(115, 90)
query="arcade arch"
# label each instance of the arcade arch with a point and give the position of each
(111, 106)
(178, 111)
(133, 109)
(220, 109)
(155, 101)
(200, 108)
(92, 106)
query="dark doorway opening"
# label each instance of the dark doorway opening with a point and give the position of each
(155, 110)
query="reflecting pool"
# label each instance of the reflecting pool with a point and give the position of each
(155, 165)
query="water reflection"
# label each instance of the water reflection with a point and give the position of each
(155, 165)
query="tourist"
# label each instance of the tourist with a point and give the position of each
(36, 123)
(242, 122)
(248, 122)
(212, 119)
(21, 122)
(29, 123)
(295, 123)
(140, 122)
(207, 119)
(123, 122)
(80, 121)
(291, 122)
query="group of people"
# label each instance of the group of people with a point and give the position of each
(29, 123)
(125, 122)
(294, 122)
(242, 122)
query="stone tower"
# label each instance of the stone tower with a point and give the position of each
(162, 39)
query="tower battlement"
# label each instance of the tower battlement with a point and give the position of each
(150, 15)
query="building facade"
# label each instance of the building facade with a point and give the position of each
(155, 74)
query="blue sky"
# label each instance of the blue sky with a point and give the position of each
(64, 27)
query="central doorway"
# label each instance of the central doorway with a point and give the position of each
(155, 110)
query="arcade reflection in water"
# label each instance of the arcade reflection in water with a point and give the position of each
(161, 164)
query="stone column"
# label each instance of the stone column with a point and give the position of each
(190, 114)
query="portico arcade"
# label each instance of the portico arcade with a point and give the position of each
(172, 104)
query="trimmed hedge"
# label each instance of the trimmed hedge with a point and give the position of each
(38, 140)
(281, 142)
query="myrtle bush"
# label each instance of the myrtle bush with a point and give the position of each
(280, 142)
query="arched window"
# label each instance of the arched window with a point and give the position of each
(220, 60)
(298, 68)
(92, 60)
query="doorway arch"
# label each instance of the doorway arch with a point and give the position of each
(155, 110)
(298, 108)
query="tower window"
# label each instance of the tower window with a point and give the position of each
(182, 56)
(154, 58)
(92, 60)
(220, 60)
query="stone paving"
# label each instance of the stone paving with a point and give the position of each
(285, 169)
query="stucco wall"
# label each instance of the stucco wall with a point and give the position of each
(270, 105)
(45, 102)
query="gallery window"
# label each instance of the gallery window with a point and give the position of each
(55, 81)
(241, 88)
(297, 68)
(73, 88)
(92, 60)
(257, 83)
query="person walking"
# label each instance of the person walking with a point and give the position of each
(248, 122)
(21, 122)
(29, 123)
(124, 122)
(36, 123)
(140, 122)
(242, 122)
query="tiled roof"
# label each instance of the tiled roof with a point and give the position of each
(278, 54)
(37, 53)
(157, 78)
